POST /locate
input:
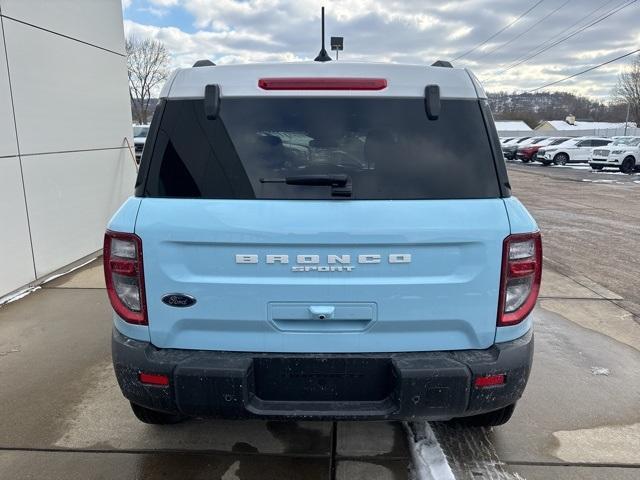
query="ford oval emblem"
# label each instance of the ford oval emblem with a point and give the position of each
(178, 300)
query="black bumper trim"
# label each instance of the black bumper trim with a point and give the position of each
(397, 386)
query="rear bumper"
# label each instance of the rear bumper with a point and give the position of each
(509, 154)
(606, 162)
(525, 156)
(399, 386)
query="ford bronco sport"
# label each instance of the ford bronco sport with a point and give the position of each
(323, 241)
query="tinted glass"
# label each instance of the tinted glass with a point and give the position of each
(387, 148)
(627, 141)
(558, 141)
(140, 131)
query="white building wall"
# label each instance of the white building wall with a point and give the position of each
(63, 91)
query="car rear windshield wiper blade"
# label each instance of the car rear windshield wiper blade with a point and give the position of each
(340, 183)
(338, 180)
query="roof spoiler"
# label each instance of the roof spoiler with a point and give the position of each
(204, 63)
(442, 63)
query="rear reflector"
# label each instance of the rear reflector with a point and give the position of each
(322, 83)
(153, 379)
(489, 381)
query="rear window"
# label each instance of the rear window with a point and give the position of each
(387, 148)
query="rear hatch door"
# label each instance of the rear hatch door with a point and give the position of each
(405, 256)
(327, 276)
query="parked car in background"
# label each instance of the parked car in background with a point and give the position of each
(527, 152)
(140, 133)
(623, 153)
(549, 142)
(576, 150)
(504, 140)
(510, 148)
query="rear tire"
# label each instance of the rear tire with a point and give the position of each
(489, 419)
(628, 165)
(153, 417)
(561, 159)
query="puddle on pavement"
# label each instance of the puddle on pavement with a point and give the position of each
(103, 419)
(372, 469)
(607, 444)
(600, 316)
(354, 439)
(298, 439)
(229, 467)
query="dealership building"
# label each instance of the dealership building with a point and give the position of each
(65, 122)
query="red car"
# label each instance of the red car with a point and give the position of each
(527, 153)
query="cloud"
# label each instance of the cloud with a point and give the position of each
(164, 3)
(411, 31)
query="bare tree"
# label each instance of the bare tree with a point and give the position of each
(148, 66)
(628, 90)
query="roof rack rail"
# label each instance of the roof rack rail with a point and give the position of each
(204, 63)
(442, 63)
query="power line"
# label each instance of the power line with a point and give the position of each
(559, 34)
(497, 33)
(598, 20)
(584, 71)
(508, 42)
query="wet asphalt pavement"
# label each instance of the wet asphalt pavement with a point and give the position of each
(590, 223)
(62, 415)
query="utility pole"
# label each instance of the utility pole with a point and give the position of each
(627, 119)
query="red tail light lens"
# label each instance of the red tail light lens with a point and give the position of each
(124, 276)
(325, 83)
(521, 275)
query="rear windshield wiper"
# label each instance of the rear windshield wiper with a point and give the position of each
(340, 183)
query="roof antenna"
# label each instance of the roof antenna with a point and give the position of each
(323, 56)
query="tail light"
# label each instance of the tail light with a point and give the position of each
(124, 276)
(521, 274)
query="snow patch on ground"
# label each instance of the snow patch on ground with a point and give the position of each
(597, 181)
(470, 452)
(18, 295)
(600, 371)
(573, 167)
(30, 289)
(429, 461)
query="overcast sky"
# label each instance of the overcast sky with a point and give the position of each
(410, 31)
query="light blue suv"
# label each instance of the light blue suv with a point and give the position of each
(323, 241)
